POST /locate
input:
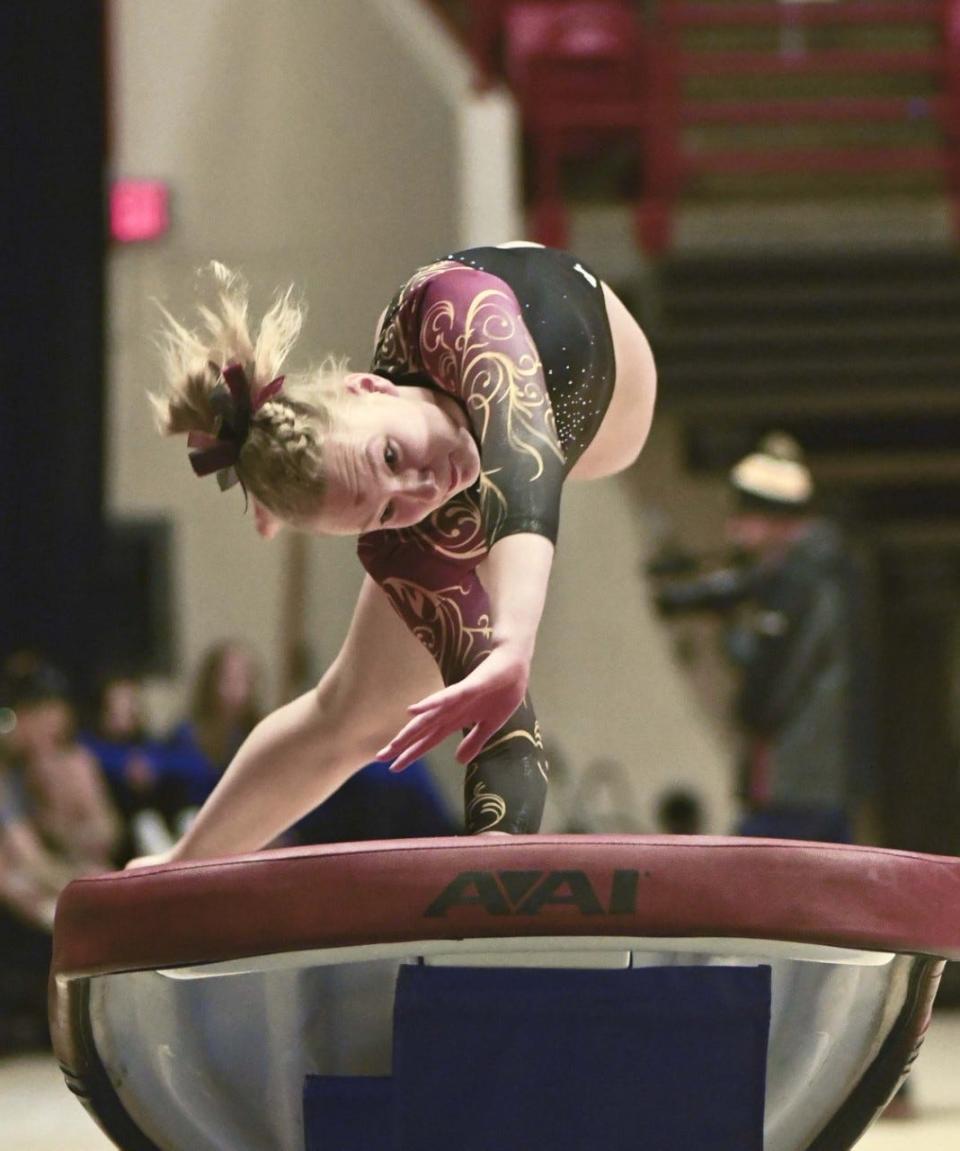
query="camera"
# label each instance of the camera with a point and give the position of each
(714, 583)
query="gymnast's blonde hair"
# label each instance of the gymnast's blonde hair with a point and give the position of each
(280, 462)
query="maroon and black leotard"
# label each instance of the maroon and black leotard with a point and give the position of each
(520, 338)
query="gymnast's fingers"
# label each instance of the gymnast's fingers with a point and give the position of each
(449, 695)
(449, 712)
(415, 750)
(473, 743)
(410, 732)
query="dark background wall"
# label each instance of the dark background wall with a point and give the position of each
(51, 311)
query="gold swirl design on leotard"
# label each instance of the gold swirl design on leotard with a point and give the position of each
(493, 502)
(397, 340)
(535, 738)
(392, 347)
(455, 530)
(441, 627)
(477, 349)
(484, 809)
(460, 529)
(492, 360)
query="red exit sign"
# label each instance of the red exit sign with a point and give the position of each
(139, 210)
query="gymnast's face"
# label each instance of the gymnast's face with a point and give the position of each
(394, 456)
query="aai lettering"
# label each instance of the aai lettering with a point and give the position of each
(529, 892)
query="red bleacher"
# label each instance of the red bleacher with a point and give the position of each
(665, 77)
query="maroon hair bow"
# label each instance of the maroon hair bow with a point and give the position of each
(234, 405)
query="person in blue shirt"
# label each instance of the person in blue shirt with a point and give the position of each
(378, 804)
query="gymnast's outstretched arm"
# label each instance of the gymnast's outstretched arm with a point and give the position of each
(515, 575)
(465, 330)
(440, 596)
(301, 753)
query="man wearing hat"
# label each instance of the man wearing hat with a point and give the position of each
(800, 692)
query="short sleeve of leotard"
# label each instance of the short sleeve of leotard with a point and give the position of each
(474, 344)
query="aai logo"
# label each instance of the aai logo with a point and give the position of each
(529, 892)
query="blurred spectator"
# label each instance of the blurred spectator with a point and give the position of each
(603, 801)
(30, 881)
(375, 804)
(31, 877)
(793, 635)
(225, 707)
(679, 812)
(805, 774)
(59, 784)
(56, 823)
(134, 764)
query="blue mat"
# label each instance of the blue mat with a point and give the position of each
(669, 1058)
(348, 1113)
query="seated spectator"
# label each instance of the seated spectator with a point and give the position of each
(604, 801)
(147, 793)
(679, 812)
(375, 804)
(29, 886)
(224, 708)
(62, 790)
(56, 824)
(31, 877)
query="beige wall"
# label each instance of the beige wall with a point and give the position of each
(334, 144)
(303, 142)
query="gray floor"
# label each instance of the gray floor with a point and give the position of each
(38, 1113)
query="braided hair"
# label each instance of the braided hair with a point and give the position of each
(279, 457)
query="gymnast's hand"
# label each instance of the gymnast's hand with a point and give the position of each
(483, 702)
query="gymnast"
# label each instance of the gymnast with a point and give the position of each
(498, 373)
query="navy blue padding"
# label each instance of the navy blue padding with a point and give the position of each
(348, 1113)
(671, 1058)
